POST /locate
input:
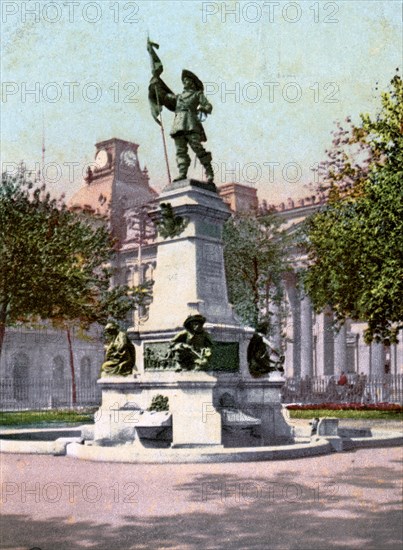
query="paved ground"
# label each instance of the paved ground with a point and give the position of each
(346, 500)
(303, 426)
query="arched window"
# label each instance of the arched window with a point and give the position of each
(20, 366)
(85, 371)
(20, 376)
(58, 370)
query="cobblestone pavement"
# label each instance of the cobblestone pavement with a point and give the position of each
(346, 500)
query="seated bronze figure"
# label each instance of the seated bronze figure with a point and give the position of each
(120, 355)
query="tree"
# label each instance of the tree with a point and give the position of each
(108, 304)
(255, 260)
(53, 263)
(354, 242)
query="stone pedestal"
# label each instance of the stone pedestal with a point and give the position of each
(329, 429)
(195, 421)
(328, 426)
(190, 278)
(190, 275)
(261, 400)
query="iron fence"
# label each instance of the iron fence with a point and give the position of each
(22, 394)
(358, 389)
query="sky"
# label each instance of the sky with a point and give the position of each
(278, 74)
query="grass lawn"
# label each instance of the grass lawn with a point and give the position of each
(38, 418)
(25, 418)
(358, 415)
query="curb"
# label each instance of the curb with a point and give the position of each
(71, 444)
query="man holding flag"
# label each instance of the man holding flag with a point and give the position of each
(189, 107)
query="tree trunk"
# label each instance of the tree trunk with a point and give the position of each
(3, 318)
(73, 375)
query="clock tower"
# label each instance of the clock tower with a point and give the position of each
(115, 183)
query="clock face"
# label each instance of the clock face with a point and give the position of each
(129, 158)
(101, 158)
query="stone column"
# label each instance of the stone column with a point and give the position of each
(356, 353)
(397, 358)
(377, 359)
(293, 351)
(276, 332)
(306, 337)
(340, 351)
(325, 343)
(364, 356)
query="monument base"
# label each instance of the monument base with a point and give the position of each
(194, 417)
(259, 399)
(123, 414)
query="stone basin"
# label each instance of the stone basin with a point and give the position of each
(235, 418)
(154, 425)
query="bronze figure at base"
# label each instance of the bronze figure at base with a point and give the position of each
(191, 348)
(120, 355)
(260, 353)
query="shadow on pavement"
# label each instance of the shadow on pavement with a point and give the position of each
(228, 511)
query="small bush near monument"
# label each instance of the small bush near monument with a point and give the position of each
(159, 403)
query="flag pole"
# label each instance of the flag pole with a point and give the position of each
(164, 143)
(163, 139)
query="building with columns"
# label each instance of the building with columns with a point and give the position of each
(312, 345)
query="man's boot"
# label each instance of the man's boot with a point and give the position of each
(183, 170)
(182, 160)
(205, 160)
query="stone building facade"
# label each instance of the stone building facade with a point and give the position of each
(36, 369)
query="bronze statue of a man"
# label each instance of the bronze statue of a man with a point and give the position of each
(120, 355)
(189, 107)
(192, 347)
(187, 128)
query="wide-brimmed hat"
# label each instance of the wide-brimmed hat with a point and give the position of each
(194, 318)
(198, 83)
(112, 326)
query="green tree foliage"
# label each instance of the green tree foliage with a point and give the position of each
(355, 242)
(53, 262)
(255, 260)
(117, 302)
